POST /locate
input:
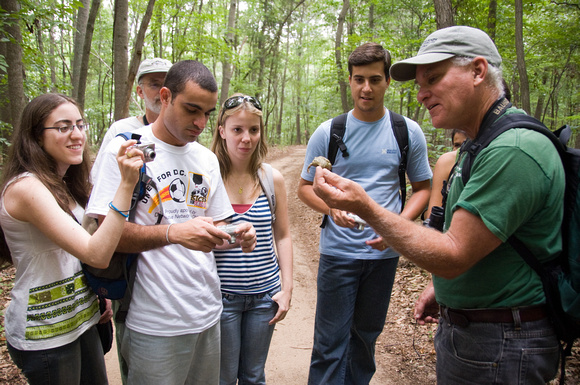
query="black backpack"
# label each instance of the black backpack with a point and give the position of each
(561, 277)
(116, 281)
(337, 129)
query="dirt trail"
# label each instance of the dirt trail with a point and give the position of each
(289, 354)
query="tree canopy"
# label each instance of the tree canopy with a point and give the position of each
(291, 54)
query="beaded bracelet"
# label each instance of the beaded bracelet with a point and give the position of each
(125, 213)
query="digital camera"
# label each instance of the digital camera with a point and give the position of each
(231, 230)
(360, 223)
(148, 150)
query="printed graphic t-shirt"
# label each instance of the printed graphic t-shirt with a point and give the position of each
(51, 303)
(177, 290)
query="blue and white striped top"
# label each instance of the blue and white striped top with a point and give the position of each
(256, 272)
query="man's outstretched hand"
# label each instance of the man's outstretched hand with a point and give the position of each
(338, 192)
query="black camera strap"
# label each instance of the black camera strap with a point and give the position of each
(470, 148)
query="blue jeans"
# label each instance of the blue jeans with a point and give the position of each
(352, 303)
(185, 359)
(246, 337)
(80, 362)
(496, 353)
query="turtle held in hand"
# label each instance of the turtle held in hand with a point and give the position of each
(320, 161)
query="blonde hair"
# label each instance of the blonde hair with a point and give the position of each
(218, 145)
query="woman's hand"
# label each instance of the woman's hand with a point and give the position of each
(282, 298)
(130, 161)
(247, 237)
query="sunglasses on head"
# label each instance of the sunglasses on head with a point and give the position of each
(237, 100)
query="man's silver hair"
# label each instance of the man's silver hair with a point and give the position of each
(494, 77)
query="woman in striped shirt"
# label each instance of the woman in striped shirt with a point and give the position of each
(257, 286)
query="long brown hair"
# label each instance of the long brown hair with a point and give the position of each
(218, 145)
(27, 155)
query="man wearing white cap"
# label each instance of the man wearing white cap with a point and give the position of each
(494, 326)
(150, 77)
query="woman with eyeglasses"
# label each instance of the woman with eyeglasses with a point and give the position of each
(50, 322)
(257, 286)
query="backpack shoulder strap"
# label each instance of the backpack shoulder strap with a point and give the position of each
(130, 267)
(337, 129)
(144, 179)
(266, 178)
(129, 135)
(402, 135)
(500, 126)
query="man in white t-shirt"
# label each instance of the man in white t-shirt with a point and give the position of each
(150, 78)
(172, 328)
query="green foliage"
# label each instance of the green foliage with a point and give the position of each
(277, 42)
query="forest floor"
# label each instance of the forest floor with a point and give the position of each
(404, 351)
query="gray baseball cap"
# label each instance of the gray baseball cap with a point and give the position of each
(444, 44)
(149, 66)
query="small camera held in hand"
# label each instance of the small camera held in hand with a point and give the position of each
(231, 230)
(148, 150)
(360, 223)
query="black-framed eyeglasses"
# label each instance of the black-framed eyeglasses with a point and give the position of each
(70, 128)
(235, 101)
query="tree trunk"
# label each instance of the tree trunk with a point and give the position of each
(541, 97)
(86, 54)
(51, 61)
(372, 19)
(79, 41)
(553, 97)
(227, 63)
(136, 57)
(492, 19)
(520, 58)
(120, 59)
(15, 100)
(443, 13)
(281, 116)
(40, 42)
(298, 84)
(158, 40)
(338, 56)
(262, 50)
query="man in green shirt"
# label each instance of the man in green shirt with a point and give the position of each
(494, 326)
